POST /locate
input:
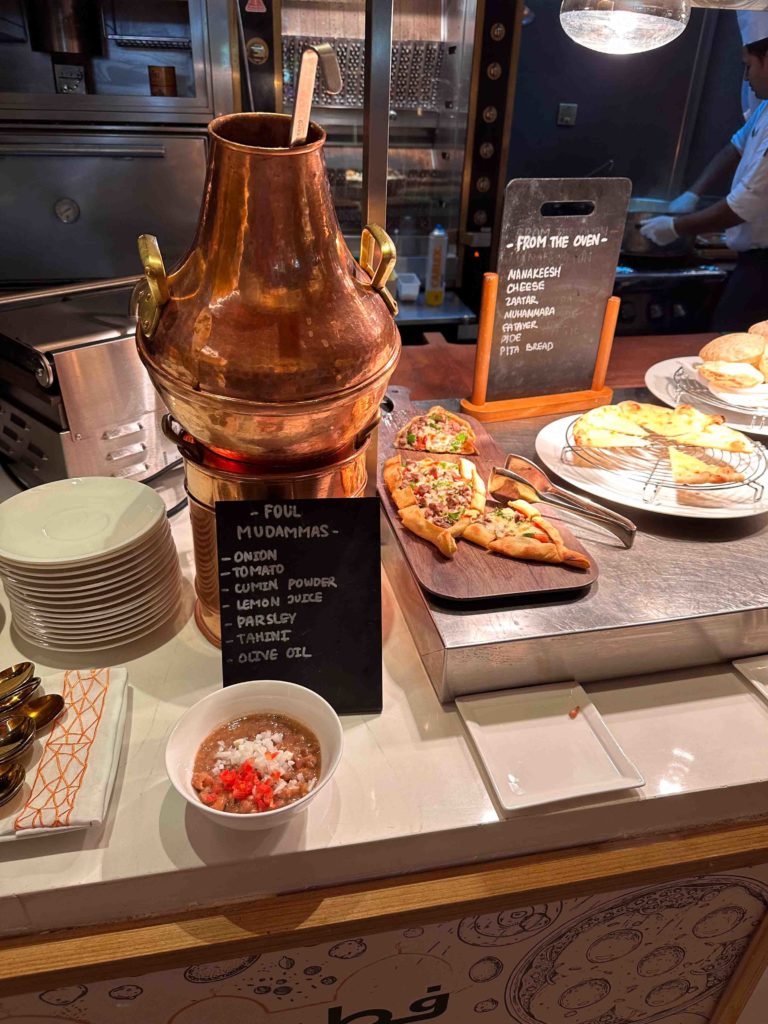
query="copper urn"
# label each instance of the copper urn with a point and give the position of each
(271, 346)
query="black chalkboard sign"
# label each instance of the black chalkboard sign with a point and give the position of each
(300, 586)
(559, 246)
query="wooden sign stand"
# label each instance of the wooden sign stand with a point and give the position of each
(540, 405)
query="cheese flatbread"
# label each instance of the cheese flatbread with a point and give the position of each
(667, 422)
(518, 530)
(436, 499)
(688, 469)
(716, 436)
(684, 425)
(437, 431)
(605, 418)
(597, 437)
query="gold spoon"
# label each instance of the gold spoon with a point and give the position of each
(13, 678)
(11, 781)
(16, 733)
(43, 710)
(10, 704)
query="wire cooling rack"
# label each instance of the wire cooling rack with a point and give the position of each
(650, 467)
(683, 385)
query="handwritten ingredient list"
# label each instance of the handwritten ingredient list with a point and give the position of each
(300, 589)
(559, 247)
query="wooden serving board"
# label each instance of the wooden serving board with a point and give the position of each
(473, 574)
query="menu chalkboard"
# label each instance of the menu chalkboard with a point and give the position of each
(559, 246)
(300, 587)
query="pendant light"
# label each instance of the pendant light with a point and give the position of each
(624, 26)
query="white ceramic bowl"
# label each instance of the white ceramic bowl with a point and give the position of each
(257, 697)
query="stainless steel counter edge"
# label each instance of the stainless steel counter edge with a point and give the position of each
(644, 648)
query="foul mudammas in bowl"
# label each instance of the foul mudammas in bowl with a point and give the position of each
(256, 763)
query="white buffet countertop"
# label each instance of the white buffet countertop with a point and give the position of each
(407, 796)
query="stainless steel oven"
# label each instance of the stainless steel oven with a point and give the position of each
(668, 299)
(108, 79)
(91, 154)
(75, 399)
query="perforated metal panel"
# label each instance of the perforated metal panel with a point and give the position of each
(416, 68)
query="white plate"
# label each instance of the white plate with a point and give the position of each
(95, 618)
(100, 644)
(82, 518)
(123, 585)
(535, 753)
(659, 379)
(122, 622)
(616, 486)
(755, 671)
(86, 632)
(141, 551)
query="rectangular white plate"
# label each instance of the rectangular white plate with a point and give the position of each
(535, 753)
(755, 671)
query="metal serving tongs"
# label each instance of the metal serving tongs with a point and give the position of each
(521, 478)
(325, 54)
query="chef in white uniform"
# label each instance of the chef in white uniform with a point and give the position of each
(743, 214)
(753, 25)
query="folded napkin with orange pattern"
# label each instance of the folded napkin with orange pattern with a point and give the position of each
(71, 766)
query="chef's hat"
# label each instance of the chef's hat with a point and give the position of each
(753, 26)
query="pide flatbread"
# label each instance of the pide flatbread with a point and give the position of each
(437, 431)
(436, 499)
(688, 469)
(518, 530)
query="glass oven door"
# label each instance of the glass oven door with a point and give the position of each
(429, 99)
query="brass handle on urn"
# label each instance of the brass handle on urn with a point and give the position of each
(151, 293)
(176, 434)
(372, 237)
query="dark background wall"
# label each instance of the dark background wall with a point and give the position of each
(630, 108)
(720, 111)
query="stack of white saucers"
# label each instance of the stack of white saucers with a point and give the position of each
(88, 563)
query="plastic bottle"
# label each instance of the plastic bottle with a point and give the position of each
(434, 291)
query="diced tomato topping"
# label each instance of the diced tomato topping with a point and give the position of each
(244, 783)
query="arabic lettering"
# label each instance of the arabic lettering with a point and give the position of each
(427, 1007)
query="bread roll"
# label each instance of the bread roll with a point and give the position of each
(731, 375)
(761, 329)
(734, 348)
(763, 364)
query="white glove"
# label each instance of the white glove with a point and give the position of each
(686, 203)
(659, 230)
